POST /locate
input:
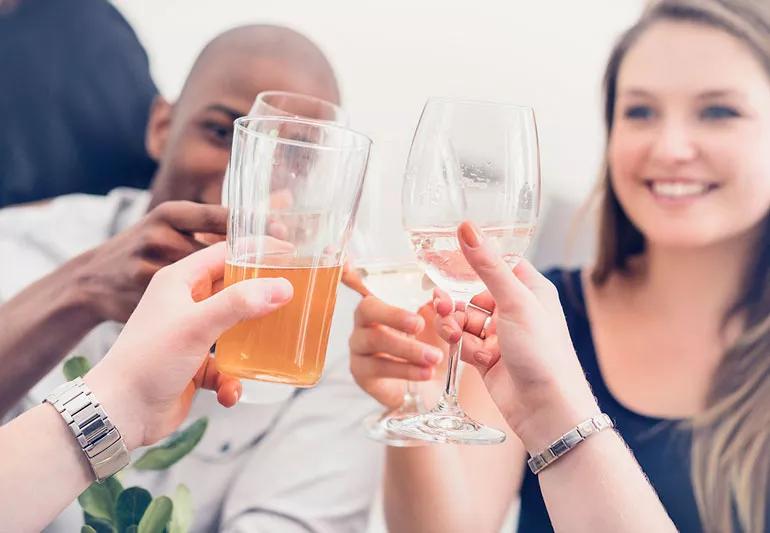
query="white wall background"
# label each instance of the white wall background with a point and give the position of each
(391, 55)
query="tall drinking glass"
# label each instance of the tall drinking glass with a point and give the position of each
(294, 191)
(473, 161)
(382, 260)
(283, 103)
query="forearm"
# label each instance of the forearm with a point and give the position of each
(425, 490)
(38, 327)
(598, 486)
(442, 488)
(41, 469)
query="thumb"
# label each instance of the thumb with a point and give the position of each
(251, 298)
(510, 295)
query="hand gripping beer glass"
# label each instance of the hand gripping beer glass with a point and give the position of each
(294, 187)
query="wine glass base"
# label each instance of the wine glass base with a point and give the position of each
(447, 429)
(376, 426)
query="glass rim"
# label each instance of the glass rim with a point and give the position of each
(302, 96)
(364, 141)
(470, 101)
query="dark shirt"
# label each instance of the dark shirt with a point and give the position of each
(662, 447)
(75, 94)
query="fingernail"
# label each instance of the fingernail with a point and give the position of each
(431, 355)
(414, 323)
(280, 291)
(426, 373)
(447, 330)
(436, 301)
(237, 394)
(483, 358)
(470, 234)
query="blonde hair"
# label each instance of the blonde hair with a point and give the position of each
(730, 452)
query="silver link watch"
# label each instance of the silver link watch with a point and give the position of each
(99, 439)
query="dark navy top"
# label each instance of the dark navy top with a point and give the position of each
(662, 447)
(75, 95)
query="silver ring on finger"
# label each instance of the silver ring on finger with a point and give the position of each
(483, 332)
(478, 308)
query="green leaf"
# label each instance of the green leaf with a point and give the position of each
(97, 501)
(182, 517)
(97, 524)
(176, 447)
(113, 485)
(131, 505)
(87, 529)
(157, 516)
(76, 367)
(132, 529)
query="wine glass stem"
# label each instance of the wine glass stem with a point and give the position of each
(449, 398)
(410, 394)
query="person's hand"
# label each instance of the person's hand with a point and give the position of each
(147, 380)
(384, 353)
(114, 275)
(526, 356)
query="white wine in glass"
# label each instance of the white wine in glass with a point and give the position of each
(474, 161)
(384, 262)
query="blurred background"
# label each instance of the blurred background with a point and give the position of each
(390, 56)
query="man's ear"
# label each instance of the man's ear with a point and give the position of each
(158, 127)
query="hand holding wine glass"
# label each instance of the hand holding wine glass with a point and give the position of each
(382, 264)
(526, 355)
(469, 161)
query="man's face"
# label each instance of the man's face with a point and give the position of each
(192, 138)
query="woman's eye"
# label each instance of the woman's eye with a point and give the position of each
(639, 112)
(718, 112)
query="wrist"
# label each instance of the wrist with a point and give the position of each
(554, 415)
(80, 289)
(117, 403)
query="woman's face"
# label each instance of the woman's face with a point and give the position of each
(689, 151)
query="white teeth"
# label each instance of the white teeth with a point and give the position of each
(678, 189)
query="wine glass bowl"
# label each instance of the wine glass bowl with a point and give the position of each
(475, 161)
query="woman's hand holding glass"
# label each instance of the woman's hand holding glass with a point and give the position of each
(384, 353)
(149, 377)
(525, 357)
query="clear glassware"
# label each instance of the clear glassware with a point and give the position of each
(295, 186)
(382, 260)
(287, 104)
(475, 161)
(284, 104)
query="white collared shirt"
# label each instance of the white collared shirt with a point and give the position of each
(303, 464)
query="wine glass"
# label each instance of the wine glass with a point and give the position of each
(475, 161)
(382, 260)
(284, 103)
